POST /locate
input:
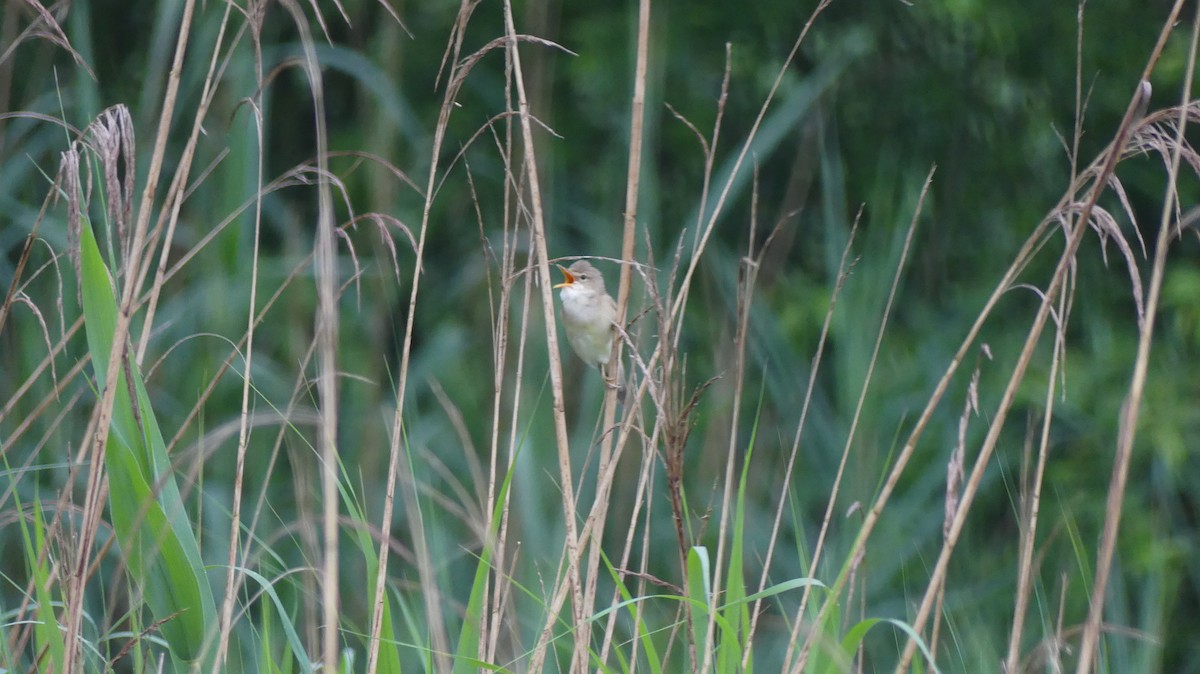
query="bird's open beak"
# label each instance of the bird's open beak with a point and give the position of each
(568, 277)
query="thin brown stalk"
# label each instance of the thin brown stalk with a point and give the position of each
(501, 589)
(513, 207)
(641, 499)
(232, 577)
(675, 432)
(862, 396)
(1030, 509)
(710, 147)
(431, 595)
(538, 227)
(718, 207)
(643, 491)
(842, 273)
(44, 27)
(92, 503)
(1078, 136)
(490, 616)
(1133, 401)
(747, 280)
(326, 332)
(628, 240)
(1066, 262)
(176, 192)
(954, 479)
(643, 563)
(22, 259)
(1031, 505)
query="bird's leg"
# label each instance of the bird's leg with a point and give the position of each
(613, 380)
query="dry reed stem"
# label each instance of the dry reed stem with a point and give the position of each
(538, 231)
(431, 594)
(1030, 510)
(53, 33)
(514, 183)
(233, 577)
(1031, 506)
(698, 251)
(641, 498)
(629, 236)
(92, 504)
(832, 501)
(842, 273)
(22, 260)
(954, 479)
(176, 193)
(747, 280)
(498, 320)
(1065, 264)
(326, 333)
(15, 285)
(514, 425)
(494, 591)
(1129, 411)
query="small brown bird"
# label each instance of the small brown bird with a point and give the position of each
(589, 313)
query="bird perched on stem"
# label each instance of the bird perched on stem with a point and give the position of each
(588, 313)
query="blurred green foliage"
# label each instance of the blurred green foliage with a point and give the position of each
(879, 94)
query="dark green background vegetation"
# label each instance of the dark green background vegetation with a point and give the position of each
(880, 93)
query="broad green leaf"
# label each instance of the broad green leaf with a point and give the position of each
(149, 521)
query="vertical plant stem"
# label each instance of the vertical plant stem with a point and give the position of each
(842, 272)
(629, 238)
(872, 518)
(92, 505)
(1133, 401)
(1136, 104)
(326, 332)
(232, 577)
(538, 226)
(830, 504)
(397, 429)
(747, 277)
(1029, 512)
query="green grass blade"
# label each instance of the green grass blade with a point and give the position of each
(699, 589)
(643, 632)
(854, 637)
(293, 638)
(48, 636)
(467, 649)
(149, 521)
